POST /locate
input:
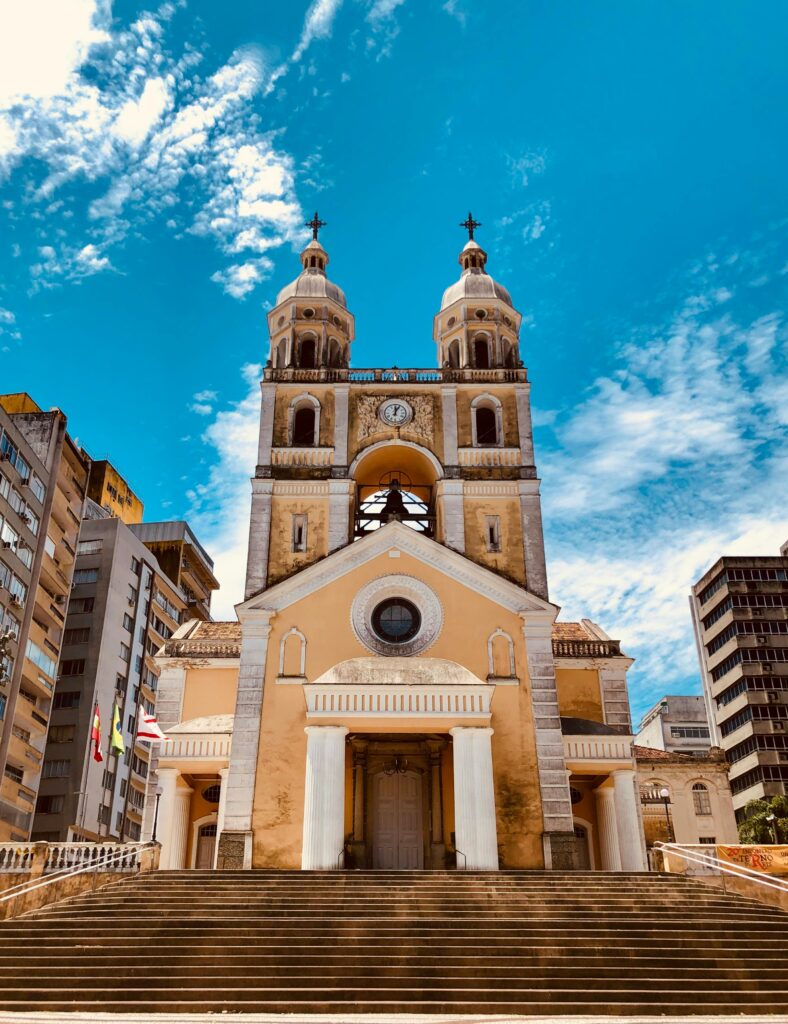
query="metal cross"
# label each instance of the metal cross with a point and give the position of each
(316, 224)
(470, 225)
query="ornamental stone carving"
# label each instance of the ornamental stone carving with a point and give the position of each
(369, 423)
(370, 596)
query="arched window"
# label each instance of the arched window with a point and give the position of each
(308, 354)
(304, 427)
(292, 654)
(500, 655)
(481, 353)
(700, 798)
(486, 432)
(486, 421)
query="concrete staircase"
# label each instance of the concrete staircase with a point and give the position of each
(385, 942)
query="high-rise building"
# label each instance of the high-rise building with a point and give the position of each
(184, 560)
(43, 481)
(740, 616)
(676, 724)
(397, 693)
(112, 492)
(123, 608)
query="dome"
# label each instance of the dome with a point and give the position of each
(312, 282)
(474, 282)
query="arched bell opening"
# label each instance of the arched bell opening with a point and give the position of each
(395, 483)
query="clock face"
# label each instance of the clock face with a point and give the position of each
(395, 412)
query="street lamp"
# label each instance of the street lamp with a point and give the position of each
(772, 819)
(665, 795)
(159, 791)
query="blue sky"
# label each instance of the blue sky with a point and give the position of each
(627, 162)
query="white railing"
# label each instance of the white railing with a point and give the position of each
(710, 864)
(113, 857)
(398, 701)
(19, 858)
(302, 457)
(197, 745)
(489, 456)
(598, 748)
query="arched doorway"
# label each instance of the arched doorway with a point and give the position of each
(582, 848)
(204, 845)
(397, 830)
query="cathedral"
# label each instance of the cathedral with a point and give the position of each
(396, 693)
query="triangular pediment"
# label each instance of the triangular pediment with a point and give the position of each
(396, 536)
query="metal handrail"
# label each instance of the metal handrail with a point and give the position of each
(737, 870)
(58, 876)
(464, 859)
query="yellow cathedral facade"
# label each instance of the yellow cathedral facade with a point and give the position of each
(396, 693)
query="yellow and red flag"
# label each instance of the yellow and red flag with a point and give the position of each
(95, 734)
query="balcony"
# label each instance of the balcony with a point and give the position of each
(586, 649)
(298, 457)
(473, 457)
(395, 375)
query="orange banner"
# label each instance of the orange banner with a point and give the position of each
(771, 860)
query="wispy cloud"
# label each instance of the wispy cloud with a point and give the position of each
(220, 506)
(144, 135)
(381, 17)
(457, 10)
(318, 24)
(676, 457)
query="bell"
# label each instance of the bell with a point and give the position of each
(395, 506)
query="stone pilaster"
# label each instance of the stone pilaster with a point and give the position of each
(341, 396)
(474, 799)
(324, 798)
(449, 410)
(266, 436)
(533, 538)
(615, 698)
(553, 784)
(259, 536)
(525, 428)
(339, 500)
(449, 493)
(630, 843)
(235, 843)
(607, 828)
(221, 811)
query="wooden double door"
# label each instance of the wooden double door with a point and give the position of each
(398, 821)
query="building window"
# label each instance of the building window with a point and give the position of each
(486, 433)
(396, 620)
(128, 623)
(89, 547)
(37, 487)
(136, 565)
(689, 732)
(72, 667)
(700, 799)
(15, 774)
(486, 421)
(708, 840)
(63, 701)
(299, 532)
(492, 532)
(61, 734)
(304, 427)
(50, 804)
(481, 353)
(77, 636)
(85, 576)
(57, 769)
(125, 651)
(132, 594)
(40, 659)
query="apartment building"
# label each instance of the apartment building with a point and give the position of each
(123, 608)
(43, 481)
(109, 490)
(676, 724)
(740, 615)
(184, 560)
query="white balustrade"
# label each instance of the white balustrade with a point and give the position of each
(489, 456)
(17, 858)
(204, 746)
(310, 457)
(398, 701)
(598, 748)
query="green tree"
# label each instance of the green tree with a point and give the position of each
(754, 828)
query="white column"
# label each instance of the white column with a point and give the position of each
(179, 836)
(340, 494)
(324, 798)
(449, 409)
(627, 821)
(223, 773)
(607, 828)
(259, 536)
(167, 783)
(474, 799)
(449, 494)
(341, 396)
(533, 538)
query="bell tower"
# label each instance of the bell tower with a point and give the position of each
(446, 451)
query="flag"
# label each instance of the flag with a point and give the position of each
(148, 728)
(116, 744)
(95, 734)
